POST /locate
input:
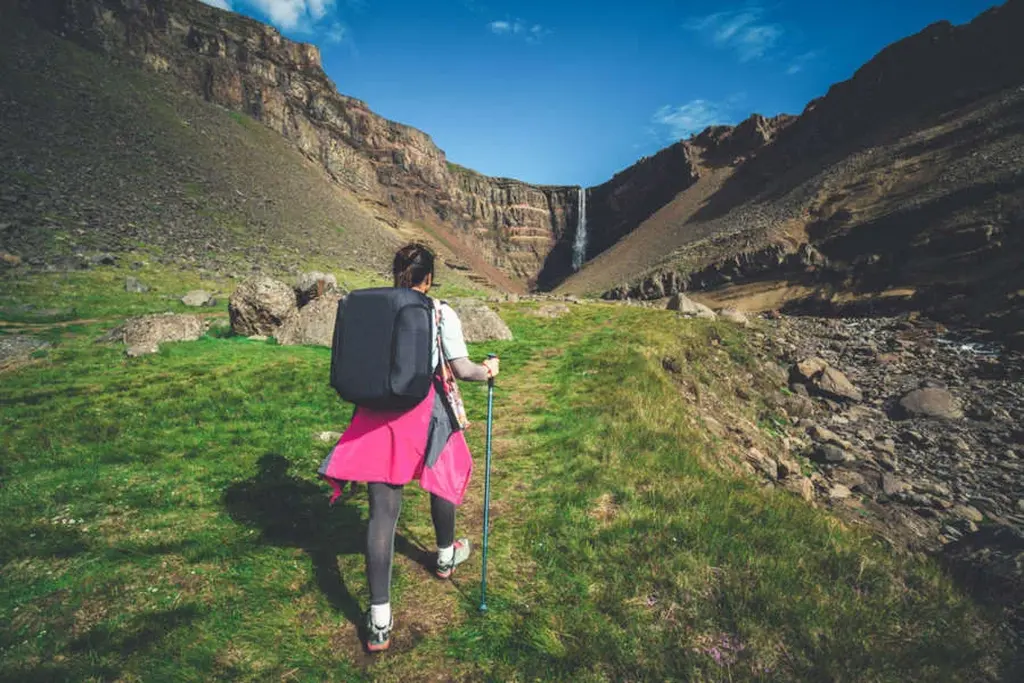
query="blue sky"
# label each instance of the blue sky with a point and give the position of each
(572, 92)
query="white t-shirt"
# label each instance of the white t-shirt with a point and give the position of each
(451, 336)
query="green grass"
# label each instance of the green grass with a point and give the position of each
(163, 521)
(100, 293)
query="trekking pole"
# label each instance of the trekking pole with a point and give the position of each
(487, 488)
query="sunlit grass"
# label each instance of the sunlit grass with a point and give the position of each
(162, 520)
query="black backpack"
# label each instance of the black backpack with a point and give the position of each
(383, 342)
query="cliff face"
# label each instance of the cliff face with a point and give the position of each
(618, 207)
(249, 67)
(902, 186)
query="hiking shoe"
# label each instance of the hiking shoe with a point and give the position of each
(378, 638)
(462, 549)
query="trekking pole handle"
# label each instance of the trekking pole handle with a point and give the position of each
(490, 356)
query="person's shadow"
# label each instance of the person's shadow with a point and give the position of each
(294, 513)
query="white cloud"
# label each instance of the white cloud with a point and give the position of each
(532, 33)
(800, 62)
(219, 4)
(337, 33)
(293, 14)
(740, 30)
(685, 120)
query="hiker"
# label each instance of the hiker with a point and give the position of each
(388, 449)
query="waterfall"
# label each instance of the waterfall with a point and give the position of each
(579, 245)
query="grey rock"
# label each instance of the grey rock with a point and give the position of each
(802, 486)
(787, 467)
(309, 286)
(328, 437)
(823, 435)
(17, 348)
(134, 285)
(834, 384)
(733, 316)
(141, 350)
(891, 486)
(854, 481)
(968, 512)
(809, 368)
(830, 454)
(689, 308)
(887, 446)
(930, 402)
(797, 406)
(839, 492)
(932, 488)
(102, 259)
(552, 311)
(198, 297)
(144, 334)
(313, 324)
(479, 322)
(763, 463)
(260, 306)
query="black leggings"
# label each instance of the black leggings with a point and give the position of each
(385, 505)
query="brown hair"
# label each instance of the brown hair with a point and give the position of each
(412, 264)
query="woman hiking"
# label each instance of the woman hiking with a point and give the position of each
(388, 449)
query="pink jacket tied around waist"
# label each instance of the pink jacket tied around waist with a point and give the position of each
(394, 448)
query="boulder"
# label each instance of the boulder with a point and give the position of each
(104, 259)
(552, 311)
(313, 324)
(797, 406)
(763, 464)
(309, 286)
(890, 485)
(830, 454)
(930, 402)
(808, 369)
(689, 308)
(839, 492)
(787, 467)
(144, 334)
(198, 297)
(968, 512)
(734, 316)
(831, 383)
(480, 323)
(134, 285)
(802, 486)
(18, 347)
(260, 306)
(823, 435)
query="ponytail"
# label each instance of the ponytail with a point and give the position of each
(412, 264)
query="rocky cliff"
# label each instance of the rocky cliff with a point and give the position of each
(903, 183)
(249, 67)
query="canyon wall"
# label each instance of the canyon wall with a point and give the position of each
(247, 66)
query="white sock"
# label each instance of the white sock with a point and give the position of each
(381, 614)
(446, 555)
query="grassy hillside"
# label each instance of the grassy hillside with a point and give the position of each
(163, 521)
(99, 157)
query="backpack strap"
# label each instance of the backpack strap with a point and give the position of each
(437, 337)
